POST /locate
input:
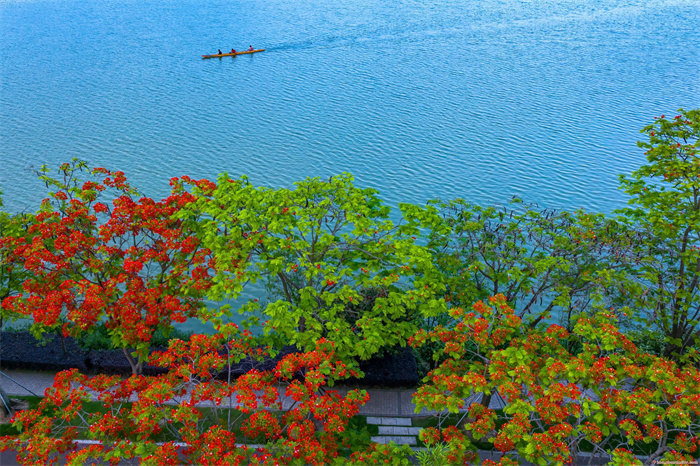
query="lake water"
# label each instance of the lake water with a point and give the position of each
(420, 99)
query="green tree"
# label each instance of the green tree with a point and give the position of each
(666, 210)
(342, 268)
(543, 260)
(549, 263)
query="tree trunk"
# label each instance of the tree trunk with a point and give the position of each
(671, 348)
(5, 405)
(136, 366)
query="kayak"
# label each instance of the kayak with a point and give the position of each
(232, 54)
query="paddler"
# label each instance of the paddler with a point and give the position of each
(220, 52)
(250, 49)
(233, 50)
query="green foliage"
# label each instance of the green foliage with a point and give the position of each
(337, 265)
(650, 341)
(665, 266)
(357, 435)
(544, 261)
(12, 274)
(18, 327)
(436, 454)
(390, 454)
(98, 338)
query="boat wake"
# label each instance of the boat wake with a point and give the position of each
(375, 37)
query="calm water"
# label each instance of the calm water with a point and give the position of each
(420, 99)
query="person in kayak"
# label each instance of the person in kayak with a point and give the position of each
(233, 50)
(220, 52)
(250, 49)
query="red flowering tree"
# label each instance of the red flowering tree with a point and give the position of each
(608, 398)
(126, 262)
(186, 416)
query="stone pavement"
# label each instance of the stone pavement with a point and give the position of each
(394, 429)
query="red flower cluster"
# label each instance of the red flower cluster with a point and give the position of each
(179, 403)
(557, 399)
(132, 264)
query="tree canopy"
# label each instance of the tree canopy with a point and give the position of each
(480, 287)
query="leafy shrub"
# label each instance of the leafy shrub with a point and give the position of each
(650, 341)
(437, 454)
(357, 435)
(99, 339)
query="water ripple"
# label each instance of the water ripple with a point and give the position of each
(419, 99)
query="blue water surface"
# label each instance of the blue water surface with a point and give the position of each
(417, 98)
(482, 99)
